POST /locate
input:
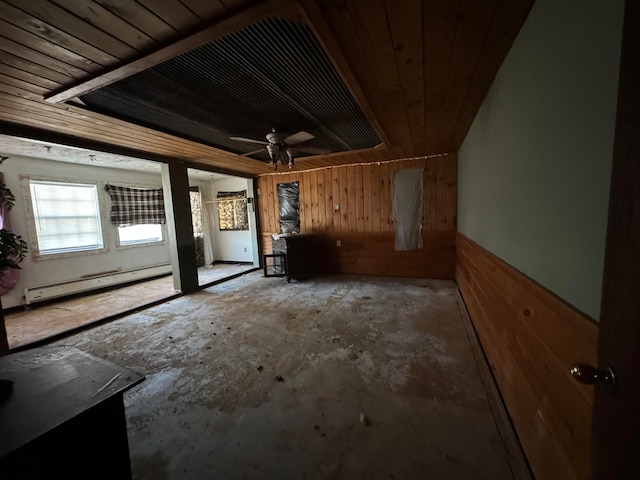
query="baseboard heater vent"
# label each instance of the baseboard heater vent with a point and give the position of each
(46, 292)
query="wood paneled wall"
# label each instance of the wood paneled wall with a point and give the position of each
(364, 223)
(531, 339)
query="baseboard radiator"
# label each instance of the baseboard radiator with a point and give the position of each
(46, 292)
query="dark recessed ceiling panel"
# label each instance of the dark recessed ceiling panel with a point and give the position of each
(271, 74)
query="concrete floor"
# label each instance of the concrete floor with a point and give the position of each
(42, 321)
(334, 378)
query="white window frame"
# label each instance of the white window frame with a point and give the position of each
(34, 246)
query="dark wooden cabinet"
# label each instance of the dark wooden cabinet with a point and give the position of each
(294, 253)
(64, 417)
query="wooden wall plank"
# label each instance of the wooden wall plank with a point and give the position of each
(324, 189)
(531, 338)
(366, 193)
(385, 200)
(306, 219)
(328, 181)
(272, 206)
(335, 193)
(375, 198)
(555, 466)
(441, 192)
(315, 209)
(374, 254)
(350, 189)
(344, 200)
(359, 197)
(393, 168)
(452, 191)
(265, 218)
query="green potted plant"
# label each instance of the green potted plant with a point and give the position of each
(13, 250)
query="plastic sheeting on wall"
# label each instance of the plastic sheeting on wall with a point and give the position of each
(408, 198)
(289, 204)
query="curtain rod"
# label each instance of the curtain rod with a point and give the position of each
(227, 200)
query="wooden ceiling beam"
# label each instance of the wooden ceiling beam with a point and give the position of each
(219, 29)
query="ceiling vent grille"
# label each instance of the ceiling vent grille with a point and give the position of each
(273, 74)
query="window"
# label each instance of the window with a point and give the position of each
(232, 210)
(138, 234)
(66, 216)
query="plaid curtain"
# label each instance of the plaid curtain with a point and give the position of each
(135, 206)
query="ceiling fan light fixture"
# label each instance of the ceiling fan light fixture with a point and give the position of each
(274, 153)
(291, 153)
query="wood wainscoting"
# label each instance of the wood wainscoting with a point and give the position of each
(363, 220)
(531, 339)
(374, 254)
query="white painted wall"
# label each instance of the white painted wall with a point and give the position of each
(231, 245)
(50, 271)
(535, 168)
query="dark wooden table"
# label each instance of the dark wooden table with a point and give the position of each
(297, 255)
(65, 416)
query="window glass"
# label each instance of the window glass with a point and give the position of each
(136, 234)
(67, 217)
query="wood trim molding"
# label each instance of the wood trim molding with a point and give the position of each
(531, 339)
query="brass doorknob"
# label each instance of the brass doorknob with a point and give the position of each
(590, 375)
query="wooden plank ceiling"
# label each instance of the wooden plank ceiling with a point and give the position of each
(419, 69)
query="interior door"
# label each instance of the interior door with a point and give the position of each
(616, 419)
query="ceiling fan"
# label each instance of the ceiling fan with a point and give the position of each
(283, 147)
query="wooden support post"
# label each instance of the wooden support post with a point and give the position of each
(175, 186)
(4, 339)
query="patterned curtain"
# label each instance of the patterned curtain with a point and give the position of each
(232, 210)
(136, 206)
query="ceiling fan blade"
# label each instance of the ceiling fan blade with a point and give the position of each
(252, 153)
(314, 150)
(248, 140)
(298, 138)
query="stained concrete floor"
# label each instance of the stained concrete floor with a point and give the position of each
(334, 378)
(40, 322)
